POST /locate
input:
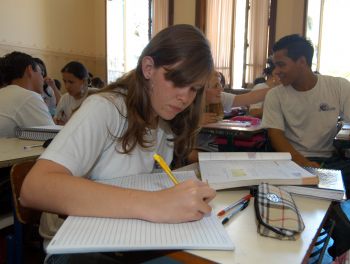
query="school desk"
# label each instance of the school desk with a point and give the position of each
(250, 247)
(14, 150)
(342, 139)
(231, 132)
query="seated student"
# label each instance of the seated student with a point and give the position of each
(58, 84)
(302, 115)
(96, 82)
(116, 132)
(76, 80)
(222, 102)
(269, 80)
(51, 93)
(21, 103)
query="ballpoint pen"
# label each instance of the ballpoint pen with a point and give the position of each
(240, 201)
(33, 146)
(240, 208)
(165, 167)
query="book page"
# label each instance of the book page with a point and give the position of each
(204, 156)
(240, 171)
(231, 123)
(91, 234)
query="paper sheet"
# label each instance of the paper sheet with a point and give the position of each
(90, 234)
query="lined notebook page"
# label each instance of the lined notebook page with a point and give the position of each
(91, 234)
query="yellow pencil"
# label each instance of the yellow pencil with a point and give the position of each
(165, 167)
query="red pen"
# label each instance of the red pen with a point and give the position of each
(240, 201)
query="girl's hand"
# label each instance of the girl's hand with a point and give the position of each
(50, 82)
(187, 201)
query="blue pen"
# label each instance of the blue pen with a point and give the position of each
(241, 208)
(240, 201)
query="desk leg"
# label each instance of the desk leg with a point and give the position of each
(18, 240)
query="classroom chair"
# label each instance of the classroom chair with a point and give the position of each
(340, 214)
(319, 254)
(22, 215)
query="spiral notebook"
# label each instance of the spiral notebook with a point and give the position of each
(92, 234)
(37, 132)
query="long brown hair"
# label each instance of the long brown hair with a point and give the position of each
(217, 108)
(187, 51)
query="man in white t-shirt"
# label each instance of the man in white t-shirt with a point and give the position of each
(302, 116)
(21, 103)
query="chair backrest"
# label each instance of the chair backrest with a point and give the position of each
(18, 173)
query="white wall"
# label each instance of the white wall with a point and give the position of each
(57, 31)
(290, 16)
(184, 11)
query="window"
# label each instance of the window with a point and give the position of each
(130, 25)
(239, 33)
(128, 32)
(325, 21)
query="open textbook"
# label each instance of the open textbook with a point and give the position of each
(223, 170)
(91, 234)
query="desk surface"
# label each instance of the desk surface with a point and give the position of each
(12, 151)
(253, 248)
(231, 127)
(342, 139)
(250, 247)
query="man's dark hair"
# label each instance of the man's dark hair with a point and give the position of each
(269, 68)
(58, 84)
(97, 82)
(42, 66)
(296, 46)
(13, 66)
(77, 69)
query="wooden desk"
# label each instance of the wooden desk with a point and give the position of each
(253, 248)
(232, 133)
(225, 129)
(12, 151)
(342, 139)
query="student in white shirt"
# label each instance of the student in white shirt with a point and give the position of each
(302, 114)
(217, 102)
(51, 94)
(76, 81)
(21, 103)
(116, 132)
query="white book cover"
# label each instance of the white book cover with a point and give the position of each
(91, 234)
(224, 170)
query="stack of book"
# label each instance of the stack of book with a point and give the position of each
(330, 185)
